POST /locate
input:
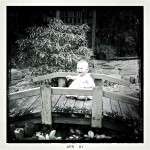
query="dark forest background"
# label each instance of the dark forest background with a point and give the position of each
(118, 31)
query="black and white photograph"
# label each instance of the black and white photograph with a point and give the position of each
(75, 74)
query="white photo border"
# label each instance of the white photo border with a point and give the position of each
(3, 78)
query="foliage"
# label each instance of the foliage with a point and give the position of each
(106, 52)
(56, 47)
(121, 29)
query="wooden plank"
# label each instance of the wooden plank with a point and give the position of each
(111, 105)
(70, 120)
(70, 103)
(25, 93)
(69, 91)
(106, 106)
(22, 106)
(84, 102)
(120, 108)
(88, 104)
(110, 79)
(30, 105)
(124, 110)
(79, 105)
(31, 102)
(61, 103)
(61, 82)
(121, 97)
(37, 106)
(96, 120)
(94, 75)
(53, 75)
(46, 105)
(115, 107)
(55, 100)
(133, 112)
(65, 102)
(126, 58)
(15, 103)
(36, 118)
(15, 106)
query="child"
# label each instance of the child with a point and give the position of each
(83, 80)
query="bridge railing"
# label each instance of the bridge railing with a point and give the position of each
(46, 92)
(62, 76)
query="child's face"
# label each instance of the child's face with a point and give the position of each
(82, 68)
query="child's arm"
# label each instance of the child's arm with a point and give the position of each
(71, 77)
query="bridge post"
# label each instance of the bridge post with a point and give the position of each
(61, 82)
(97, 104)
(46, 103)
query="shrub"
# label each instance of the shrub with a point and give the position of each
(56, 47)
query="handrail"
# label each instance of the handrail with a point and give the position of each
(79, 92)
(94, 75)
(46, 92)
(55, 91)
(121, 97)
(25, 93)
(52, 75)
(110, 78)
(69, 91)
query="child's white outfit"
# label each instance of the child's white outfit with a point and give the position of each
(85, 81)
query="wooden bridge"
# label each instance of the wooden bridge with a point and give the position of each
(50, 104)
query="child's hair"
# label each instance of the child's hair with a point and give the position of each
(83, 61)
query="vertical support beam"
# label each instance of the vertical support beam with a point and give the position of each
(46, 101)
(97, 105)
(58, 14)
(61, 82)
(93, 29)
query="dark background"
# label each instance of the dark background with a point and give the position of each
(117, 26)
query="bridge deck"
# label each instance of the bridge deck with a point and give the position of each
(61, 104)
